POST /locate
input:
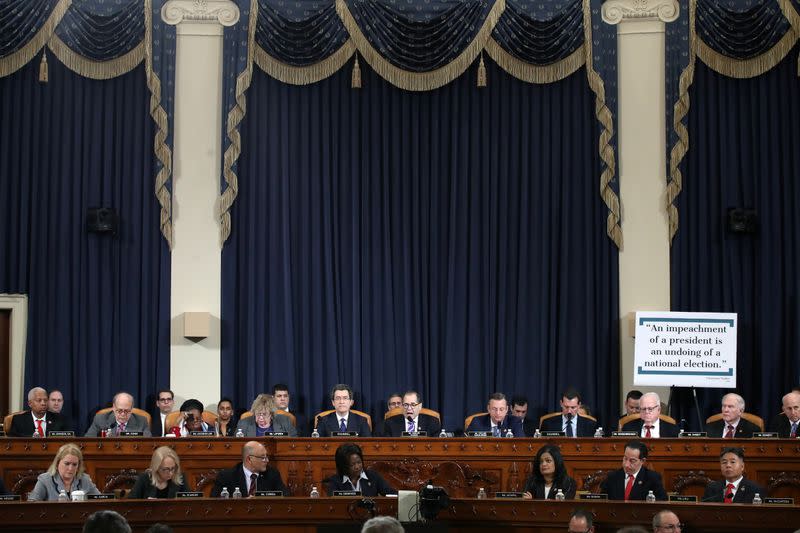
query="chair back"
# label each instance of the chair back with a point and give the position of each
(7, 420)
(757, 420)
(558, 413)
(468, 420)
(246, 414)
(627, 418)
(135, 410)
(399, 411)
(288, 415)
(329, 411)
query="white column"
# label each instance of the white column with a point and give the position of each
(196, 253)
(644, 260)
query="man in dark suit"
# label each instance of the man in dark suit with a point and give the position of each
(251, 475)
(37, 419)
(120, 419)
(519, 408)
(412, 420)
(280, 392)
(499, 420)
(735, 488)
(649, 425)
(164, 405)
(633, 481)
(342, 419)
(732, 425)
(787, 424)
(570, 421)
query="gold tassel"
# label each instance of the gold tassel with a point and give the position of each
(355, 80)
(481, 73)
(43, 77)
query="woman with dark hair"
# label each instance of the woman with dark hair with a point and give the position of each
(351, 475)
(549, 475)
(226, 420)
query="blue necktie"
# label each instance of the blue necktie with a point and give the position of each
(342, 425)
(496, 431)
(569, 426)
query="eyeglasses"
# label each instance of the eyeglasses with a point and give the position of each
(168, 469)
(122, 411)
(165, 400)
(670, 527)
(262, 457)
(409, 405)
(262, 415)
(649, 409)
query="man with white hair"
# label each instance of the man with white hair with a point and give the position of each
(732, 425)
(120, 419)
(649, 425)
(37, 419)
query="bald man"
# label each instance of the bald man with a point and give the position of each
(251, 475)
(787, 424)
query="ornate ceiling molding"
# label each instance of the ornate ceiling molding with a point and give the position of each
(222, 12)
(615, 11)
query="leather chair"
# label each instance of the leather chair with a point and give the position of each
(627, 418)
(757, 420)
(7, 420)
(558, 413)
(399, 411)
(135, 410)
(174, 418)
(329, 411)
(248, 414)
(468, 420)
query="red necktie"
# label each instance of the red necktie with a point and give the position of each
(253, 484)
(729, 434)
(647, 433)
(39, 428)
(729, 493)
(628, 487)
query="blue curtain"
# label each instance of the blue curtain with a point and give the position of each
(98, 305)
(451, 241)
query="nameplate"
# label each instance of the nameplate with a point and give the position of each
(347, 493)
(688, 434)
(189, 495)
(414, 434)
(278, 434)
(553, 434)
(131, 433)
(779, 501)
(10, 497)
(201, 433)
(765, 435)
(60, 433)
(624, 434)
(269, 493)
(344, 433)
(104, 496)
(593, 496)
(508, 495)
(479, 433)
(682, 498)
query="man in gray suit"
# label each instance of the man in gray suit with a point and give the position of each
(119, 419)
(264, 420)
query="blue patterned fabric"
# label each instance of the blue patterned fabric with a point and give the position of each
(19, 21)
(740, 30)
(102, 30)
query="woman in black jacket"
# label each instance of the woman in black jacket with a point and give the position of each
(549, 475)
(163, 479)
(351, 475)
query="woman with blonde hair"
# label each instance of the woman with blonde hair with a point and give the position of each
(264, 420)
(66, 473)
(163, 479)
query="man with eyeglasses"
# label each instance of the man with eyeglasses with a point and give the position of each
(342, 419)
(252, 475)
(581, 522)
(165, 404)
(665, 521)
(633, 481)
(499, 420)
(120, 419)
(649, 425)
(412, 420)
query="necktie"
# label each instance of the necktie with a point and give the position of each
(39, 428)
(629, 487)
(569, 426)
(647, 434)
(342, 425)
(410, 425)
(253, 484)
(496, 431)
(728, 493)
(729, 434)
(120, 428)
(793, 434)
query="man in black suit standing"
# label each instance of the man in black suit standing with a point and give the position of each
(519, 408)
(633, 481)
(570, 422)
(649, 425)
(251, 475)
(735, 488)
(342, 419)
(499, 420)
(37, 419)
(732, 425)
(412, 420)
(787, 424)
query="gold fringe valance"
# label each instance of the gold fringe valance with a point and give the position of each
(793, 17)
(603, 115)
(23, 56)
(529, 73)
(746, 68)
(96, 70)
(290, 74)
(419, 81)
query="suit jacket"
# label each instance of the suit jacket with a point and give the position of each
(666, 430)
(715, 491)
(22, 424)
(585, 426)
(646, 480)
(395, 426)
(330, 423)
(484, 423)
(144, 488)
(155, 427)
(109, 421)
(744, 429)
(231, 478)
(280, 423)
(781, 425)
(374, 486)
(529, 427)
(568, 486)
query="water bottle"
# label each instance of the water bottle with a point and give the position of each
(598, 434)
(239, 433)
(757, 499)
(225, 494)
(537, 434)
(315, 433)
(651, 498)
(62, 496)
(560, 495)
(509, 434)
(314, 492)
(237, 493)
(442, 434)
(680, 433)
(481, 494)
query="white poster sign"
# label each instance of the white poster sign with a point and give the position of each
(685, 349)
